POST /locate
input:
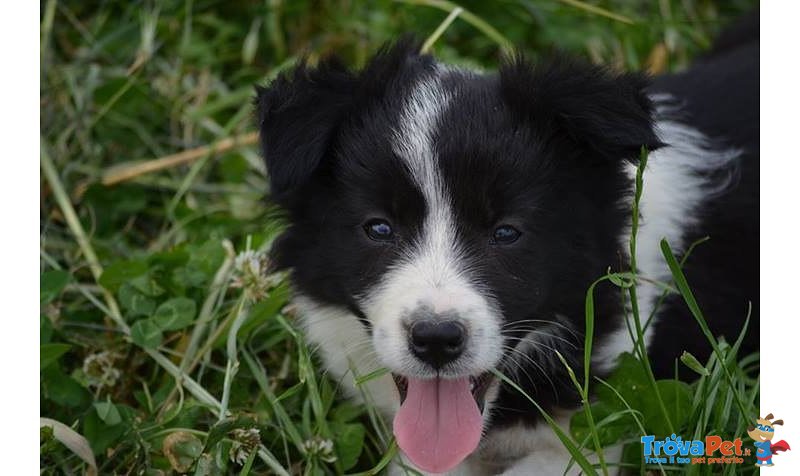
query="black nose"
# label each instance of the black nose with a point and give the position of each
(437, 342)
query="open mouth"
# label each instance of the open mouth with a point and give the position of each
(479, 385)
(440, 420)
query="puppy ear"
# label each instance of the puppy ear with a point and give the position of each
(389, 64)
(298, 114)
(777, 422)
(768, 417)
(607, 113)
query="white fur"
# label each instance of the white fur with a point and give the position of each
(432, 273)
(674, 188)
(346, 350)
(524, 451)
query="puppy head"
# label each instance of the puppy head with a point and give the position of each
(457, 216)
(453, 213)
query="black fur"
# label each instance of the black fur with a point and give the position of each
(298, 116)
(719, 96)
(609, 114)
(330, 168)
(540, 146)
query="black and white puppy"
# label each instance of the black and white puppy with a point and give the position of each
(445, 222)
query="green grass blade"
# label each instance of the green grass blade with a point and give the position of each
(634, 301)
(594, 9)
(470, 18)
(284, 420)
(570, 445)
(691, 302)
(426, 46)
(587, 410)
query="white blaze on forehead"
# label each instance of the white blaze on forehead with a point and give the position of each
(433, 272)
(437, 250)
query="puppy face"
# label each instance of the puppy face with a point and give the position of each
(458, 217)
(453, 214)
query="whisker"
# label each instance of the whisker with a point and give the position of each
(546, 334)
(515, 367)
(538, 366)
(567, 328)
(536, 343)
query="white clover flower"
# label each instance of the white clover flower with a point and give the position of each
(245, 443)
(250, 274)
(99, 369)
(323, 448)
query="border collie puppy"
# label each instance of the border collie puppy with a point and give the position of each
(444, 223)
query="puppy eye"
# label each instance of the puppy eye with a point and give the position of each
(379, 230)
(505, 235)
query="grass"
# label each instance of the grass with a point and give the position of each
(164, 348)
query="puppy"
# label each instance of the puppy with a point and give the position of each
(445, 223)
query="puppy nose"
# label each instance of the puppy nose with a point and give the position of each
(437, 342)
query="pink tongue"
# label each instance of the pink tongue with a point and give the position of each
(439, 423)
